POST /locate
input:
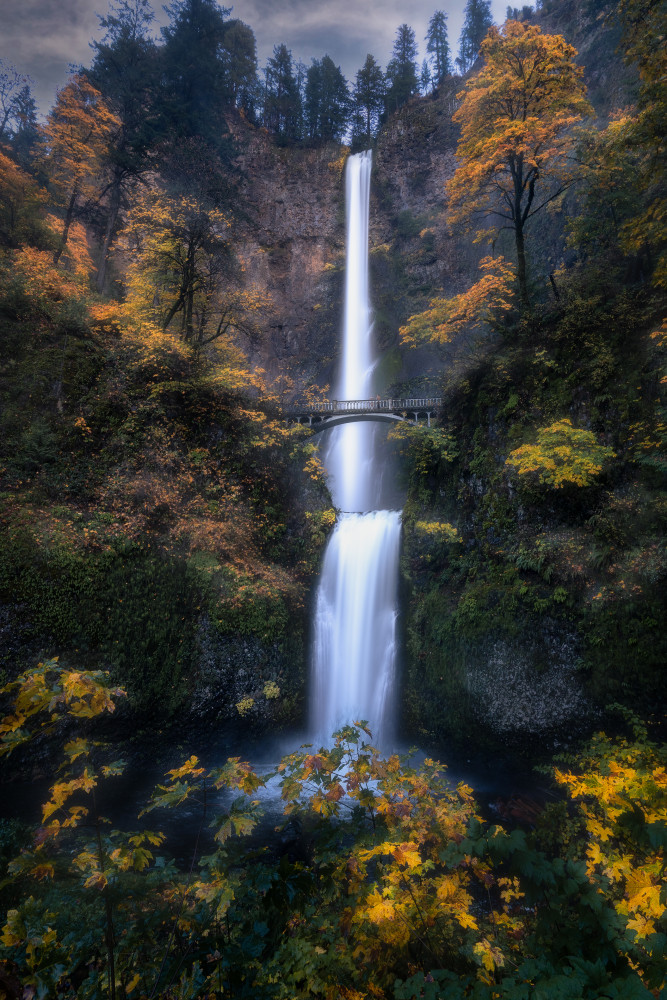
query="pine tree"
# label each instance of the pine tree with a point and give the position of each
(476, 23)
(283, 111)
(368, 101)
(402, 69)
(437, 45)
(195, 83)
(124, 70)
(239, 56)
(327, 102)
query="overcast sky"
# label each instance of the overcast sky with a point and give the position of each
(43, 37)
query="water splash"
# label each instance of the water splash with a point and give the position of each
(354, 649)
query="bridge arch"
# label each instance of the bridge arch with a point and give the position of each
(324, 423)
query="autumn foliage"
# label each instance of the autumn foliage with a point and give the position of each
(517, 117)
(563, 455)
(445, 318)
(403, 887)
(75, 140)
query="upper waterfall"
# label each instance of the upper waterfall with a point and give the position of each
(357, 360)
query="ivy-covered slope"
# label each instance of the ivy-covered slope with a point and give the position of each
(534, 543)
(156, 519)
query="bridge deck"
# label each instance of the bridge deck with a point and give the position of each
(331, 406)
(330, 412)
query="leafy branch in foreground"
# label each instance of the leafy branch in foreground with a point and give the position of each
(387, 883)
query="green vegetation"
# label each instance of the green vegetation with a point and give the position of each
(151, 501)
(161, 526)
(394, 888)
(553, 478)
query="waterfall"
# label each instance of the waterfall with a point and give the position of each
(354, 647)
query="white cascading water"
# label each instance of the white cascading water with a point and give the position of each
(354, 649)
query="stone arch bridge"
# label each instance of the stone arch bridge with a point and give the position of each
(330, 413)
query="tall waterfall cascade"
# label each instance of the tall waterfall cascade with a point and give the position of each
(354, 645)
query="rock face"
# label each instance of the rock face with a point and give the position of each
(530, 685)
(290, 235)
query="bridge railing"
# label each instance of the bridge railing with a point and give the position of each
(366, 405)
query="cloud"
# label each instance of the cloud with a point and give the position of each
(42, 37)
(347, 29)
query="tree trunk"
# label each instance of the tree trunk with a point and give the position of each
(190, 293)
(114, 208)
(69, 215)
(189, 330)
(521, 265)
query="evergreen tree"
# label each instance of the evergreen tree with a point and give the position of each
(124, 70)
(476, 23)
(402, 69)
(425, 78)
(283, 111)
(18, 113)
(327, 101)
(239, 56)
(437, 45)
(368, 102)
(196, 86)
(25, 131)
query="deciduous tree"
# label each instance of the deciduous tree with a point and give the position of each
(516, 119)
(18, 113)
(21, 204)
(75, 143)
(563, 455)
(179, 246)
(444, 318)
(12, 86)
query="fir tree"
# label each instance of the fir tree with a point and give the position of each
(477, 21)
(425, 78)
(239, 56)
(125, 72)
(368, 102)
(437, 45)
(402, 81)
(283, 112)
(327, 102)
(193, 70)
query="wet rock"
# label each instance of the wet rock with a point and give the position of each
(528, 684)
